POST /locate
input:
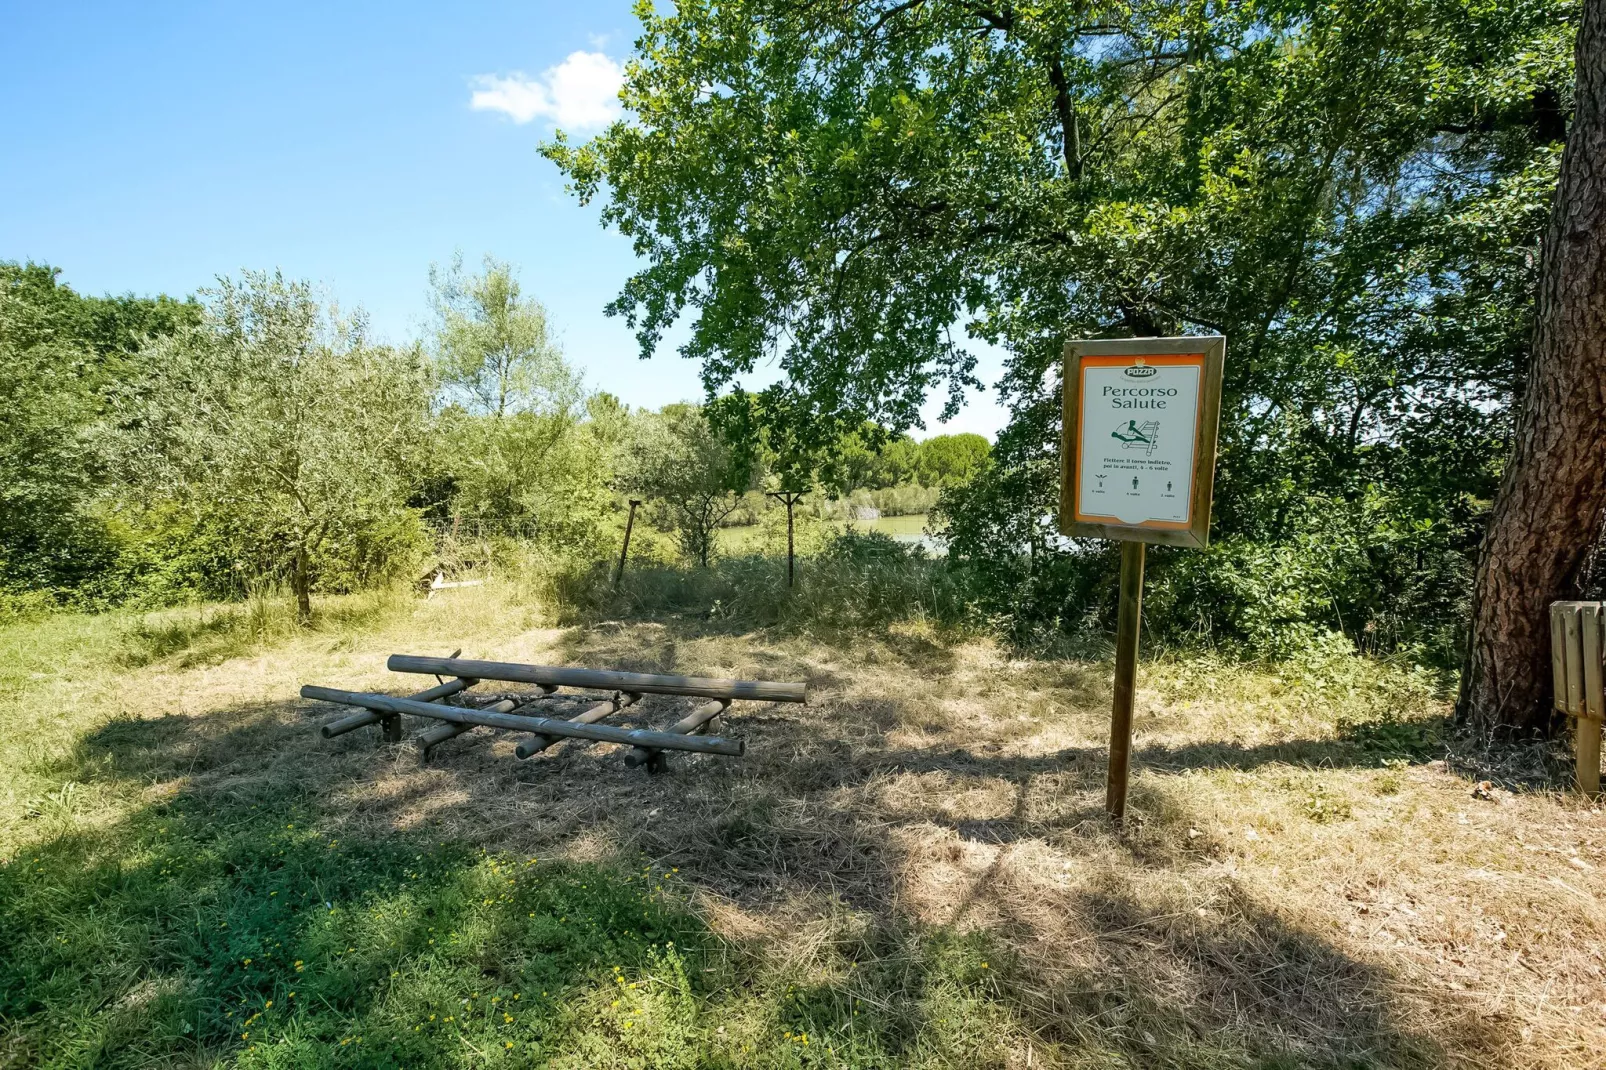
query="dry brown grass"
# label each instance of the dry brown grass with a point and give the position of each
(1284, 894)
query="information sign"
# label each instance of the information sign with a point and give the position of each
(1137, 464)
(1139, 451)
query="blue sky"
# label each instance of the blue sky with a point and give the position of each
(153, 147)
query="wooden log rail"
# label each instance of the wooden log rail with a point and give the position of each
(544, 726)
(391, 721)
(639, 683)
(703, 718)
(698, 732)
(536, 744)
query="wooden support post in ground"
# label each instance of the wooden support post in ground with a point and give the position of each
(1129, 616)
(1586, 731)
(630, 523)
(538, 743)
(704, 718)
(790, 498)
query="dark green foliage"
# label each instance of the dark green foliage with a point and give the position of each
(61, 353)
(1351, 193)
(872, 458)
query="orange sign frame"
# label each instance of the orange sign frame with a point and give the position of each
(1206, 353)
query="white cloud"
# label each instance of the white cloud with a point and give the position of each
(581, 93)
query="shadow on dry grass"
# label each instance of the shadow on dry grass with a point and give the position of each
(857, 869)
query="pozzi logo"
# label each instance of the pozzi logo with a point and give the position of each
(1139, 371)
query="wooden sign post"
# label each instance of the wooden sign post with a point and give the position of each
(1137, 464)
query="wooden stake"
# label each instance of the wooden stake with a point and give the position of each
(790, 498)
(1586, 730)
(1129, 615)
(630, 523)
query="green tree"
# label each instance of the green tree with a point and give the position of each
(675, 459)
(511, 446)
(283, 425)
(949, 460)
(493, 349)
(1352, 193)
(62, 352)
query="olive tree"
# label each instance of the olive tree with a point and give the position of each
(674, 458)
(281, 422)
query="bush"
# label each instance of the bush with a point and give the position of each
(1372, 569)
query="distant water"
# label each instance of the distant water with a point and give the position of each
(910, 530)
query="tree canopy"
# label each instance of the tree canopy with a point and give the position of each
(62, 353)
(1351, 193)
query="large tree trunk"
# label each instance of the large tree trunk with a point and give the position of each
(1547, 517)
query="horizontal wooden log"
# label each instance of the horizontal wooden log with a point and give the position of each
(536, 744)
(546, 726)
(430, 738)
(363, 720)
(639, 683)
(686, 726)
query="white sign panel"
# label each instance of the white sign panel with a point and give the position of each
(1139, 427)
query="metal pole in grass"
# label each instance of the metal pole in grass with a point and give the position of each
(630, 522)
(790, 498)
(1137, 465)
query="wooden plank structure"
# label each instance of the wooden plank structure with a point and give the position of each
(1577, 653)
(697, 733)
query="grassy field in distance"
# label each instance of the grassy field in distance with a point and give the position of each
(747, 538)
(912, 870)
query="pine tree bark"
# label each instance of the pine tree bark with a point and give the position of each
(1547, 517)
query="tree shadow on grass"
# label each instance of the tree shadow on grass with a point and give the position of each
(226, 921)
(259, 848)
(244, 912)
